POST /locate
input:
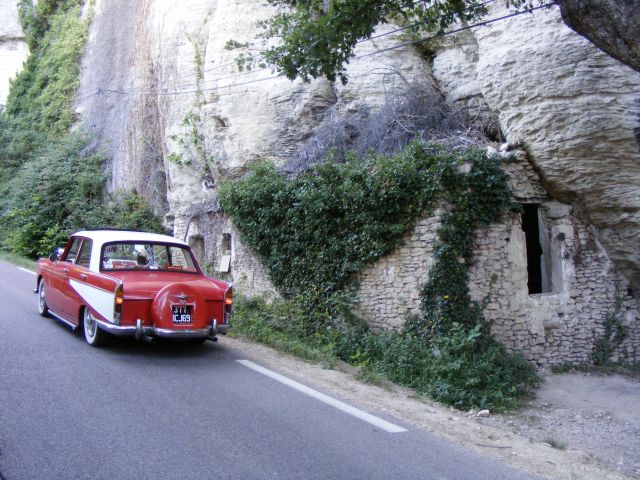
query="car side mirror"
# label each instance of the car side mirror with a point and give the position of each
(56, 255)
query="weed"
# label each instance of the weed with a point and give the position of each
(557, 444)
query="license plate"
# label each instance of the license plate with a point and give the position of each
(181, 314)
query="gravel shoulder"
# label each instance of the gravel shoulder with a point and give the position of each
(578, 427)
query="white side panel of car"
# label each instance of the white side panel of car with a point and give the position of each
(100, 300)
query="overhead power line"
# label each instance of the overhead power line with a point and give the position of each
(457, 30)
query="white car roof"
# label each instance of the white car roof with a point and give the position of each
(106, 236)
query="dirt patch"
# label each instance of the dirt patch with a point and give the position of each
(600, 415)
(579, 426)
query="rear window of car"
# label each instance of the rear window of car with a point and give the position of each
(147, 256)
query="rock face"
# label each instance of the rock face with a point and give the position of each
(612, 25)
(575, 109)
(13, 47)
(176, 117)
(553, 307)
(170, 107)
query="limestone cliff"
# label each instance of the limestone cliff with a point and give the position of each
(576, 110)
(175, 114)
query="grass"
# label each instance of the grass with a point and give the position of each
(557, 444)
(17, 260)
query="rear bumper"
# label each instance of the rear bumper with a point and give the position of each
(139, 330)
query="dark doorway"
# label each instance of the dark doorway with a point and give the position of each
(531, 228)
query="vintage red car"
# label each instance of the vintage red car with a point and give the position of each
(132, 283)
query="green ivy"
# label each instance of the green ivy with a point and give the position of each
(615, 332)
(42, 94)
(315, 232)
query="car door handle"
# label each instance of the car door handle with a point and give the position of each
(84, 276)
(65, 270)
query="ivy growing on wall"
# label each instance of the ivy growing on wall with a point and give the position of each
(314, 232)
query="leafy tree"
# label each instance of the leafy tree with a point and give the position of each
(35, 17)
(317, 37)
(61, 190)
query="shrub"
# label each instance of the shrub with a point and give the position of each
(51, 182)
(63, 190)
(314, 232)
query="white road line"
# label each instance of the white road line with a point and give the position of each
(356, 412)
(26, 270)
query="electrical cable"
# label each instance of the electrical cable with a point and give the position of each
(458, 30)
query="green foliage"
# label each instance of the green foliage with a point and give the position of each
(191, 140)
(275, 324)
(39, 104)
(129, 211)
(316, 231)
(35, 17)
(465, 368)
(615, 332)
(474, 199)
(199, 53)
(41, 96)
(49, 193)
(51, 182)
(62, 190)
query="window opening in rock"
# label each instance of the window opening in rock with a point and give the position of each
(196, 242)
(531, 228)
(225, 253)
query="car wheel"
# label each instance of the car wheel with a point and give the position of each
(92, 333)
(42, 300)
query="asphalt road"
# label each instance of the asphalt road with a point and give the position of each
(156, 411)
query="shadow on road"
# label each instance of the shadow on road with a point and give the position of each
(165, 349)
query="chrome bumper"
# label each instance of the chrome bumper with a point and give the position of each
(140, 331)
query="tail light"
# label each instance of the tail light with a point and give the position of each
(117, 307)
(228, 304)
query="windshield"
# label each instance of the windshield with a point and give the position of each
(147, 256)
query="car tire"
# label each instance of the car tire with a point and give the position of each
(92, 332)
(42, 300)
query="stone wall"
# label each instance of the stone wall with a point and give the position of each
(583, 288)
(13, 47)
(563, 325)
(389, 290)
(213, 237)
